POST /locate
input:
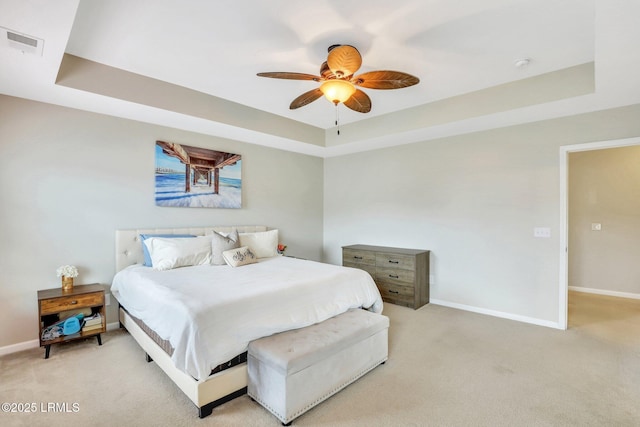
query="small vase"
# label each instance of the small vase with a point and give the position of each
(67, 283)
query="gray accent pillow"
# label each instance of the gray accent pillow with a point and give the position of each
(221, 243)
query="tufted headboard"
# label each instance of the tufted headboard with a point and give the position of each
(129, 248)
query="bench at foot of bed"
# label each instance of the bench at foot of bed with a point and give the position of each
(293, 371)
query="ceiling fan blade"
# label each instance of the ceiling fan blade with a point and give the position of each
(359, 102)
(291, 76)
(305, 98)
(344, 60)
(385, 80)
(326, 72)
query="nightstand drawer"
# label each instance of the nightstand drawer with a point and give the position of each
(388, 260)
(358, 257)
(394, 275)
(56, 305)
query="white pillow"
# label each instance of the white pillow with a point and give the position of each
(181, 252)
(239, 256)
(264, 244)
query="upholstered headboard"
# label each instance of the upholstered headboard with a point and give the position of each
(129, 248)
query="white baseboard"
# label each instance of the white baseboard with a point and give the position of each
(604, 292)
(27, 345)
(510, 316)
(14, 348)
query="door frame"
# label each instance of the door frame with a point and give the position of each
(564, 214)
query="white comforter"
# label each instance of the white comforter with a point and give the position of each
(211, 313)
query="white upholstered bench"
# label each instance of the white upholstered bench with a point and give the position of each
(293, 371)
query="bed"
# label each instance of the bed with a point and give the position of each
(200, 342)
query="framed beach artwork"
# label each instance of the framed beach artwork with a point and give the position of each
(197, 177)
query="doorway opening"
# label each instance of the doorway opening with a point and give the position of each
(564, 215)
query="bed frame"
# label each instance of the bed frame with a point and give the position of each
(207, 393)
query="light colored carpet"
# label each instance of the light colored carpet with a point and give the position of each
(446, 368)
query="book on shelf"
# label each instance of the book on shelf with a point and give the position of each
(92, 316)
(94, 319)
(91, 327)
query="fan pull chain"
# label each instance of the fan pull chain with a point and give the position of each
(337, 118)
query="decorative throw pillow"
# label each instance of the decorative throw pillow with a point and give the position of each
(264, 244)
(173, 253)
(239, 256)
(220, 243)
(145, 251)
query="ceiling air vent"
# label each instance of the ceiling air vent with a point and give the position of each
(21, 42)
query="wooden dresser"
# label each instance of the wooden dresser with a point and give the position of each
(402, 275)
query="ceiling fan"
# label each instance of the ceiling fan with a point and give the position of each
(339, 84)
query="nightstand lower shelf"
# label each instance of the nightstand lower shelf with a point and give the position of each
(47, 344)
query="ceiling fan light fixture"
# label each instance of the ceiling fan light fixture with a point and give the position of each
(339, 82)
(337, 91)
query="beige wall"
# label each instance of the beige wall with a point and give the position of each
(604, 188)
(474, 201)
(69, 179)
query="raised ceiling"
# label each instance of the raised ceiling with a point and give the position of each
(183, 54)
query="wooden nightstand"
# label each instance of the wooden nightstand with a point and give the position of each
(53, 302)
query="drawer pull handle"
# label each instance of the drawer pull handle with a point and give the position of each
(394, 292)
(357, 257)
(393, 276)
(73, 302)
(394, 262)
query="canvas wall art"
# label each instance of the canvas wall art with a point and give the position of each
(196, 177)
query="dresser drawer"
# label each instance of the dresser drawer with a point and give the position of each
(56, 305)
(404, 262)
(394, 275)
(354, 256)
(396, 294)
(371, 269)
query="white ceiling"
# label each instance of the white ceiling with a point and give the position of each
(217, 47)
